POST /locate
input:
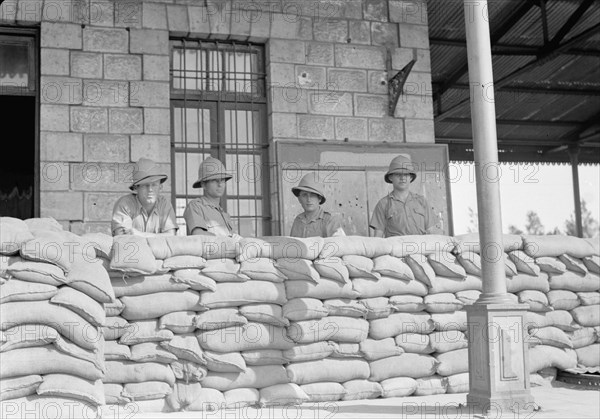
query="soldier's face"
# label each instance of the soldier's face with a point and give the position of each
(401, 181)
(148, 193)
(310, 201)
(214, 188)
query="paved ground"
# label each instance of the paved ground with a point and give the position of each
(556, 401)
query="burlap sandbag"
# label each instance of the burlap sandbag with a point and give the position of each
(66, 322)
(359, 267)
(458, 383)
(41, 272)
(208, 247)
(253, 377)
(405, 365)
(262, 269)
(151, 306)
(386, 286)
(422, 270)
(17, 290)
(407, 303)
(178, 322)
(335, 328)
(45, 360)
(537, 300)
(398, 387)
(185, 347)
(592, 263)
(582, 337)
(219, 318)
(56, 248)
(114, 351)
(264, 357)
(551, 336)
(573, 264)
(393, 267)
(183, 395)
(445, 264)
(188, 371)
(545, 356)
(361, 390)
(471, 262)
(224, 270)
(113, 394)
(414, 343)
(324, 289)
(14, 234)
(589, 357)
(209, 400)
(264, 313)
(131, 253)
(151, 352)
(452, 362)
(298, 309)
(563, 299)
(572, 282)
(13, 388)
(114, 328)
(330, 369)
(378, 307)
(309, 352)
(248, 337)
(372, 349)
(345, 307)
(277, 247)
(587, 316)
(522, 282)
(346, 350)
(470, 243)
(282, 394)
(447, 340)
(400, 323)
(370, 247)
(440, 284)
(442, 303)
(80, 303)
(324, 391)
(421, 244)
(239, 398)
(61, 407)
(332, 268)
(298, 269)
(63, 385)
(142, 331)
(524, 263)
(184, 262)
(238, 294)
(589, 298)
(133, 372)
(456, 320)
(148, 390)
(224, 362)
(551, 265)
(146, 284)
(429, 386)
(91, 278)
(556, 245)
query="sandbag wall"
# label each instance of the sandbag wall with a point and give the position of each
(52, 294)
(281, 320)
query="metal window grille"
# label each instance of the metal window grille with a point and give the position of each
(218, 109)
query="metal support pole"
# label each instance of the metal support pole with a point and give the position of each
(574, 155)
(498, 360)
(485, 145)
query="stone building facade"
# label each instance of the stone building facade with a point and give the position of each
(106, 70)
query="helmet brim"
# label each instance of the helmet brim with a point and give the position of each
(297, 189)
(413, 175)
(149, 179)
(198, 184)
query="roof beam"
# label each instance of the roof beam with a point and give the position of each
(514, 142)
(570, 23)
(512, 49)
(542, 59)
(588, 91)
(528, 122)
(497, 34)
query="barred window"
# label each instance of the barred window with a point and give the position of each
(218, 109)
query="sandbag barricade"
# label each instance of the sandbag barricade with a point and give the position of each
(205, 323)
(52, 309)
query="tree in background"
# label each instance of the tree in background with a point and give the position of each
(588, 222)
(473, 221)
(533, 224)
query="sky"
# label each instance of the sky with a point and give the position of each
(545, 189)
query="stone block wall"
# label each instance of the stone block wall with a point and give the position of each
(104, 82)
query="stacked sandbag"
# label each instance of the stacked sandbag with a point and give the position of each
(150, 340)
(52, 308)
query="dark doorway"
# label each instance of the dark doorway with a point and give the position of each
(17, 167)
(19, 184)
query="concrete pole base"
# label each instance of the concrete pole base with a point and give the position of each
(498, 359)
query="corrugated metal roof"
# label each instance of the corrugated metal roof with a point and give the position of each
(560, 87)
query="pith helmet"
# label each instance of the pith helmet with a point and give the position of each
(401, 164)
(309, 184)
(211, 169)
(147, 171)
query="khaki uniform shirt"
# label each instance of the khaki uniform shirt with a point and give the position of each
(203, 214)
(323, 225)
(129, 213)
(397, 218)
